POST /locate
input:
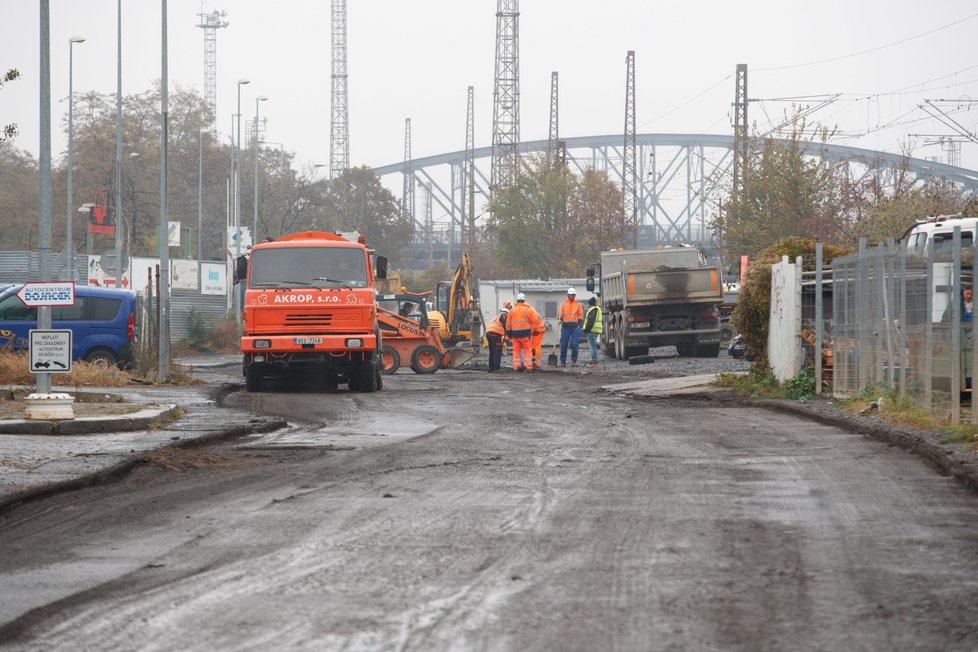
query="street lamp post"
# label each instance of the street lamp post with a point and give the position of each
(200, 195)
(69, 240)
(254, 138)
(237, 200)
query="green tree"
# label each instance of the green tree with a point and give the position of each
(786, 193)
(356, 201)
(18, 198)
(10, 130)
(550, 222)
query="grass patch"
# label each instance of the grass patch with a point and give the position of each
(14, 370)
(757, 381)
(894, 408)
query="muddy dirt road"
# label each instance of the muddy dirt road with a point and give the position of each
(473, 511)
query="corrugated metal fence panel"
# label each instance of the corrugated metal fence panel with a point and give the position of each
(21, 266)
(212, 308)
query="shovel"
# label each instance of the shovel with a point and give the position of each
(552, 358)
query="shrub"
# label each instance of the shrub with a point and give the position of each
(752, 315)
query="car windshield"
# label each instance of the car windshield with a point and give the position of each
(321, 267)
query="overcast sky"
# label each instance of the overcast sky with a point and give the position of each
(416, 58)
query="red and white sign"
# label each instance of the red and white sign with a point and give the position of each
(48, 293)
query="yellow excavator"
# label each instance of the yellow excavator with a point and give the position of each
(457, 315)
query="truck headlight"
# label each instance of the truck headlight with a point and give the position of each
(262, 344)
(354, 343)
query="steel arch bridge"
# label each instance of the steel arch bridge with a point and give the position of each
(677, 176)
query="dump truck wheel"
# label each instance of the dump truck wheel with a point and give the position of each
(366, 377)
(390, 360)
(425, 359)
(684, 349)
(253, 378)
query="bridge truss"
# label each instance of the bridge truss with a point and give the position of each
(680, 179)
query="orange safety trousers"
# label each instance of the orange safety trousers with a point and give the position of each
(521, 348)
(537, 343)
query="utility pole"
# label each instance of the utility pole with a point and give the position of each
(740, 158)
(468, 181)
(628, 181)
(164, 245)
(506, 96)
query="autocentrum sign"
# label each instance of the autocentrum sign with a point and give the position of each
(50, 293)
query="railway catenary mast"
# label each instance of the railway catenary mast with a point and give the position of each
(407, 189)
(506, 96)
(556, 148)
(339, 134)
(210, 23)
(468, 181)
(740, 130)
(628, 181)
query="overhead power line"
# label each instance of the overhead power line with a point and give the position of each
(862, 52)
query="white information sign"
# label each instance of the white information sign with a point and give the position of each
(213, 278)
(173, 234)
(53, 293)
(243, 235)
(50, 351)
(183, 274)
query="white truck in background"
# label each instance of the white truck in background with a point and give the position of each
(659, 297)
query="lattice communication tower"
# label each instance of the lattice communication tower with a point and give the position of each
(407, 190)
(468, 175)
(506, 96)
(339, 141)
(210, 23)
(740, 130)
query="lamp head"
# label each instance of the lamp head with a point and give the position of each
(76, 39)
(243, 81)
(260, 98)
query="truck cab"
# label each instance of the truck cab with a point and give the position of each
(310, 306)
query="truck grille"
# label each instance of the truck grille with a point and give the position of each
(308, 320)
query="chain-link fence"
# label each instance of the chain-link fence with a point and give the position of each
(899, 322)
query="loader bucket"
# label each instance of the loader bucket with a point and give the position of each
(460, 355)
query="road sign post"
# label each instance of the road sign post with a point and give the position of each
(50, 350)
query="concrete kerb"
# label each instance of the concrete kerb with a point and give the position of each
(697, 387)
(141, 420)
(124, 467)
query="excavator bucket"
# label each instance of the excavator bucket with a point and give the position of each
(460, 355)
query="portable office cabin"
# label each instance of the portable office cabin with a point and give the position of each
(544, 296)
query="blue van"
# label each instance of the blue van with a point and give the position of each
(102, 322)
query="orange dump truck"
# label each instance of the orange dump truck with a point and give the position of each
(310, 306)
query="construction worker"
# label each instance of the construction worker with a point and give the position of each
(495, 330)
(536, 340)
(571, 316)
(519, 327)
(593, 327)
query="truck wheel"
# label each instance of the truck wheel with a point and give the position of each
(708, 350)
(425, 359)
(619, 341)
(253, 378)
(390, 360)
(684, 349)
(635, 351)
(366, 377)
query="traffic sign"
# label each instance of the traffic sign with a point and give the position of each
(50, 351)
(109, 261)
(48, 293)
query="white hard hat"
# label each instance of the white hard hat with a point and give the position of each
(521, 297)
(571, 291)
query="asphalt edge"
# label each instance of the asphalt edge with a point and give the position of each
(126, 466)
(940, 457)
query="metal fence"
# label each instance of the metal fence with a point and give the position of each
(897, 324)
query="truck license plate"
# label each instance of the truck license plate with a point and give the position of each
(307, 340)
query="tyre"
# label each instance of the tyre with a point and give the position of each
(635, 352)
(366, 376)
(726, 333)
(254, 377)
(708, 350)
(684, 349)
(390, 360)
(619, 342)
(103, 358)
(641, 359)
(425, 359)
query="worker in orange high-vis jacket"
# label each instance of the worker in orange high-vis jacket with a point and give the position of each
(519, 327)
(536, 339)
(571, 316)
(495, 331)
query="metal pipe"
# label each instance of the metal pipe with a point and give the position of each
(69, 228)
